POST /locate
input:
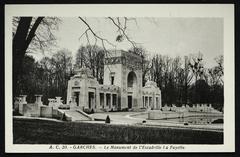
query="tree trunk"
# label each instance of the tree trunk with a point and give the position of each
(18, 50)
(21, 42)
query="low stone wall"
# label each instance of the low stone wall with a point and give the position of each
(31, 110)
(46, 111)
(27, 131)
(157, 114)
(34, 110)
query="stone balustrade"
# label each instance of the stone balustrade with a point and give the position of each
(207, 108)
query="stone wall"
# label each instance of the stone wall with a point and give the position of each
(29, 110)
(158, 114)
(46, 111)
(56, 132)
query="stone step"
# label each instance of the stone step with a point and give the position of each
(77, 116)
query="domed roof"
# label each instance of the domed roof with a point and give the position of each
(150, 83)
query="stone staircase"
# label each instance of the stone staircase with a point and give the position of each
(78, 115)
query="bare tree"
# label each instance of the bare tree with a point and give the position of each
(142, 52)
(216, 73)
(91, 57)
(30, 34)
(196, 66)
(187, 79)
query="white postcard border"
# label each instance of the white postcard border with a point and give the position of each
(225, 11)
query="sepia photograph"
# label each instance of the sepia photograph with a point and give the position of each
(118, 82)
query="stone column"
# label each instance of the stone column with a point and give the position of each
(111, 101)
(154, 102)
(110, 106)
(73, 103)
(69, 91)
(93, 101)
(143, 101)
(104, 100)
(149, 105)
(83, 94)
(38, 100)
(97, 99)
(160, 100)
(79, 100)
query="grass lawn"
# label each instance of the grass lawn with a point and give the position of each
(35, 131)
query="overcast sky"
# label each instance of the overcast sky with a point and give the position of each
(166, 36)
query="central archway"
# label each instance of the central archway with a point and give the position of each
(131, 79)
(132, 85)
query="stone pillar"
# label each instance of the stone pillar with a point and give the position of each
(194, 108)
(23, 99)
(154, 102)
(160, 100)
(38, 100)
(22, 103)
(58, 100)
(210, 108)
(16, 103)
(83, 94)
(110, 106)
(104, 100)
(143, 101)
(149, 104)
(69, 91)
(97, 99)
(51, 102)
(93, 101)
(73, 100)
(116, 101)
(73, 103)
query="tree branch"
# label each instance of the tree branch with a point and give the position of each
(90, 29)
(123, 32)
(32, 31)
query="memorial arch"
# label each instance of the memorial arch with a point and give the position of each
(122, 87)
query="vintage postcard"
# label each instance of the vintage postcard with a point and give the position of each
(119, 78)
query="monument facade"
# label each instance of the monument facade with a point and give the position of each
(121, 89)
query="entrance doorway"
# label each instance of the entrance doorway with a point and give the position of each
(91, 100)
(129, 101)
(102, 100)
(76, 95)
